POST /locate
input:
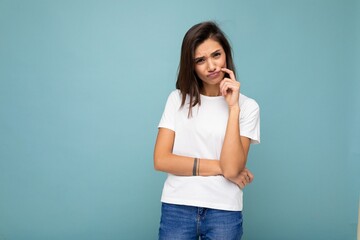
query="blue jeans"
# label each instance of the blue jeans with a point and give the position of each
(179, 222)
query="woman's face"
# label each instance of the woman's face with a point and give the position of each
(209, 58)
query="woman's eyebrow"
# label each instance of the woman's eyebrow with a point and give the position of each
(201, 57)
(216, 51)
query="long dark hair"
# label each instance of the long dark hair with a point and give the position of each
(187, 81)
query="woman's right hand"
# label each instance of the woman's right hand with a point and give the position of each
(244, 178)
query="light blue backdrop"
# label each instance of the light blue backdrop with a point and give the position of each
(83, 85)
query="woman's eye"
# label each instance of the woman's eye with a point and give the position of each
(199, 61)
(217, 54)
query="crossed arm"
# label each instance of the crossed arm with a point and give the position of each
(166, 161)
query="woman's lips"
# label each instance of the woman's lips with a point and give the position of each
(214, 74)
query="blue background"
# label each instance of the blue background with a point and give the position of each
(83, 85)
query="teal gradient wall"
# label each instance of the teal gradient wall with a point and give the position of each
(83, 85)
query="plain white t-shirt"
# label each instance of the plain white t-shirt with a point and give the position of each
(202, 136)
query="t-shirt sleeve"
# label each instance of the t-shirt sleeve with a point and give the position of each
(168, 117)
(250, 121)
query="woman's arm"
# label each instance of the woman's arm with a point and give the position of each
(235, 148)
(166, 161)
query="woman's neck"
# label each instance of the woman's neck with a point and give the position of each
(211, 91)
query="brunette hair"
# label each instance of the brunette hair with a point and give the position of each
(187, 81)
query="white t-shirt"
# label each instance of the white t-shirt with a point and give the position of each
(202, 136)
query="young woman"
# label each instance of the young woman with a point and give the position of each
(203, 142)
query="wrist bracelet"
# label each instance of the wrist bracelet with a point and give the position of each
(198, 169)
(195, 166)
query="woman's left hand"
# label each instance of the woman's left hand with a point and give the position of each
(244, 178)
(230, 88)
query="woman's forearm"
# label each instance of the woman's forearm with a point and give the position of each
(184, 166)
(233, 156)
(166, 161)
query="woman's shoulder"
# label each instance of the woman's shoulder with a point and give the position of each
(174, 96)
(248, 103)
(175, 93)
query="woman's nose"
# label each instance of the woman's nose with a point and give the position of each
(211, 66)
